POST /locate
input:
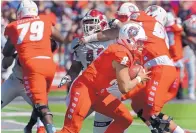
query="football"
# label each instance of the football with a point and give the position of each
(134, 70)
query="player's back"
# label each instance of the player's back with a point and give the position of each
(31, 36)
(100, 73)
(157, 41)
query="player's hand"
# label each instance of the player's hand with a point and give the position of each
(66, 79)
(144, 75)
(81, 41)
(113, 23)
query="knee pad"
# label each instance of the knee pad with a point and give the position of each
(158, 123)
(42, 110)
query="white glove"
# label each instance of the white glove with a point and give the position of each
(66, 79)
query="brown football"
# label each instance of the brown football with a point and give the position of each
(134, 70)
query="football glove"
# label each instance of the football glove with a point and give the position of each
(66, 79)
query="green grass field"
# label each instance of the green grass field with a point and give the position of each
(184, 115)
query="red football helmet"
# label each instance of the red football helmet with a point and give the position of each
(94, 21)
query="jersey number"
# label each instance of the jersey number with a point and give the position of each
(89, 55)
(36, 31)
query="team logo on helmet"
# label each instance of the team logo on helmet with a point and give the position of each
(132, 8)
(153, 8)
(133, 31)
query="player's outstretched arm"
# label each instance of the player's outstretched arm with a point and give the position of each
(75, 69)
(105, 35)
(8, 49)
(125, 83)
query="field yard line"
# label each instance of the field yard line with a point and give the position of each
(20, 123)
(27, 110)
(62, 114)
(23, 124)
(15, 122)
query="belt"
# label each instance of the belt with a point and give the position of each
(161, 60)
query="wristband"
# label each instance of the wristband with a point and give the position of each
(91, 38)
(139, 79)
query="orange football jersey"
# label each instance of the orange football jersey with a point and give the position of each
(31, 36)
(156, 44)
(175, 41)
(100, 73)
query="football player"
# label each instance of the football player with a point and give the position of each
(174, 32)
(30, 36)
(89, 89)
(14, 86)
(94, 21)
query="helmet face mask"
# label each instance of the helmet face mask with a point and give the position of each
(91, 26)
(122, 17)
(94, 21)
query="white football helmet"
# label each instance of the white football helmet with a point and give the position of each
(125, 11)
(170, 19)
(93, 22)
(190, 24)
(27, 8)
(131, 34)
(158, 13)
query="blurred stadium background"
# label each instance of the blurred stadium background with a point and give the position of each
(67, 15)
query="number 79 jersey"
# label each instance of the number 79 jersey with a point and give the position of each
(89, 52)
(31, 36)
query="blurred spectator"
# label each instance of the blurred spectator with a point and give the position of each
(189, 44)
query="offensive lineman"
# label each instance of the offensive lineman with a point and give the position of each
(14, 85)
(30, 36)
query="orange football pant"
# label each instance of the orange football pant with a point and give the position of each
(38, 76)
(173, 90)
(152, 98)
(83, 97)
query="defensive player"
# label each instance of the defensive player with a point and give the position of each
(149, 101)
(30, 36)
(88, 90)
(14, 85)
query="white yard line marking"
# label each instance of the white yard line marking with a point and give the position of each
(55, 113)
